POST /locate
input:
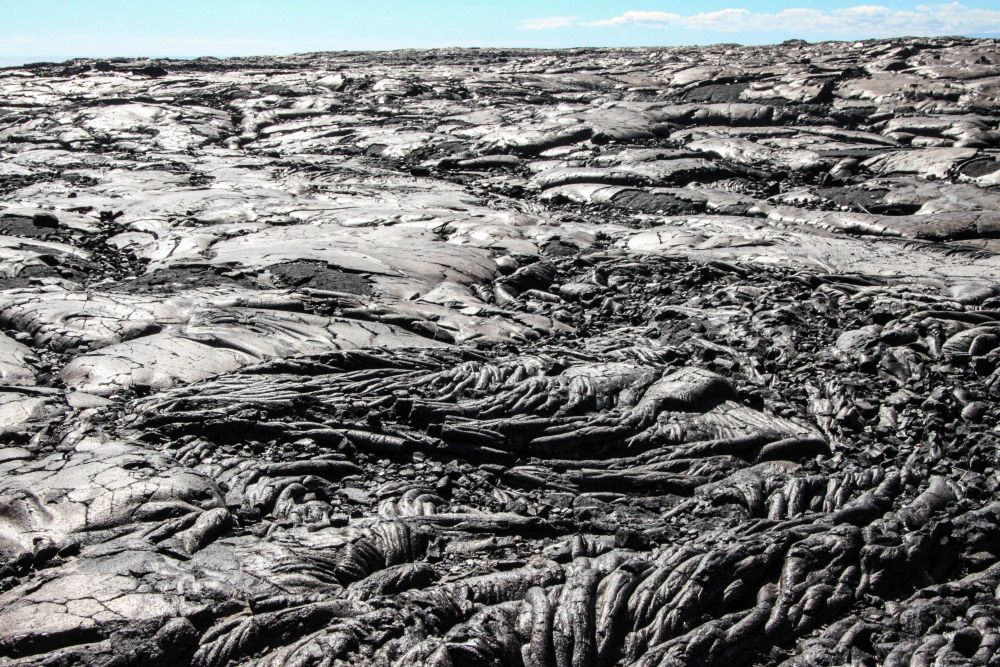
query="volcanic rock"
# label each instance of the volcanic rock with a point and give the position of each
(683, 356)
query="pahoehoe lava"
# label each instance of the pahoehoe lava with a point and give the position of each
(454, 358)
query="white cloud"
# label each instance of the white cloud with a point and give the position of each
(548, 23)
(860, 20)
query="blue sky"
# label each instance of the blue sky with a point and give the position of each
(62, 29)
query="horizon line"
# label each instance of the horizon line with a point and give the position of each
(21, 61)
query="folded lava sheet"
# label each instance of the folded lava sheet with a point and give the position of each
(457, 358)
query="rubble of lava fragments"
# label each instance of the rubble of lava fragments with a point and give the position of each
(461, 358)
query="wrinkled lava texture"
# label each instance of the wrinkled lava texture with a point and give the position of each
(487, 357)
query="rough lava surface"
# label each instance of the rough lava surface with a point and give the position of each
(486, 357)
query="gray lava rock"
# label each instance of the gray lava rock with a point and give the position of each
(681, 356)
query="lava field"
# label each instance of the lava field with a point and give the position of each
(472, 358)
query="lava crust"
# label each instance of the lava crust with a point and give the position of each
(455, 358)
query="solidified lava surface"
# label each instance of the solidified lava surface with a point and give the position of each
(645, 357)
